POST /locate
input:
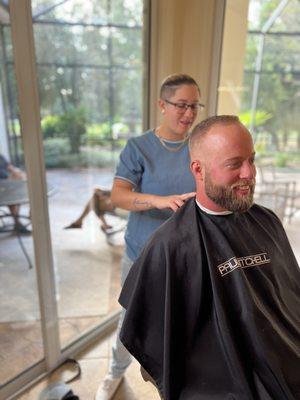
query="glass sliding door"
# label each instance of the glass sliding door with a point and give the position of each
(89, 62)
(21, 343)
(58, 284)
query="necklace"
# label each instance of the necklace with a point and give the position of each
(171, 148)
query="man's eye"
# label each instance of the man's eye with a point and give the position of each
(181, 105)
(234, 165)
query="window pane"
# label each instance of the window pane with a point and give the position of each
(260, 82)
(89, 59)
(21, 344)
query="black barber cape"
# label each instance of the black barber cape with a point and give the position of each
(213, 308)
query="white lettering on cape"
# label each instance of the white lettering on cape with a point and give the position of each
(243, 262)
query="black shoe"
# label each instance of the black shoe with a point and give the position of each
(74, 225)
(21, 229)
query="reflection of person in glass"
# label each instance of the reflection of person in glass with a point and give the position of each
(9, 171)
(212, 303)
(100, 203)
(152, 181)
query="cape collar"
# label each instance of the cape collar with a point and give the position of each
(207, 211)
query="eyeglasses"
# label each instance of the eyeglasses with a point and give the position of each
(182, 107)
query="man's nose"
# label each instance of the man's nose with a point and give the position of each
(248, 170)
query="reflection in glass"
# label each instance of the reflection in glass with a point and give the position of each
(21, 343)
(89, 60)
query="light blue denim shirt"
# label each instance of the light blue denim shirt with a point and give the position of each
(152, 169)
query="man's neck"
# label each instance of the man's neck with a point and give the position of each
(211, 212)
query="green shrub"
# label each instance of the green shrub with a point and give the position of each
(281, 160)
(57, 155)
(97, 134)
(55, 150)
(101, 158)
(73, 125)
(51, 126)
(102, 134)
(70, 125)
(284, 159)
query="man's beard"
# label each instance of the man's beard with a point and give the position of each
(226, 197)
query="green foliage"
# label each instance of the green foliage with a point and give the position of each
(101, 134)
(51, 126)
(278, 92)
(86, 75)
(55, 150)
(261, 117)
(281, 160)
(101, 158)
(98, 133)
(260, 148)
(70, 125)
(77, 70)
(57, 155)
(73, 125)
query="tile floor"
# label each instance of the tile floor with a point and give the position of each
(21, 343)
(94, 363)
(86, 276)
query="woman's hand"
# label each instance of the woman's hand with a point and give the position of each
(123, 196)
(172, 202)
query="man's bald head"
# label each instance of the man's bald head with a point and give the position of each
(197, 144)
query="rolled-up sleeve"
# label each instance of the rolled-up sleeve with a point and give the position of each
(130, 165)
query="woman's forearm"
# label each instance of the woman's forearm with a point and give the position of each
(129, 200)
(123, 196)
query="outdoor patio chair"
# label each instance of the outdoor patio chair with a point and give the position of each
(7, 225)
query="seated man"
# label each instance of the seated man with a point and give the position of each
(9, 171)
(100, 203)
(212, 304)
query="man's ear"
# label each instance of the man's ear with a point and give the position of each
(197, 169)
(161, 105)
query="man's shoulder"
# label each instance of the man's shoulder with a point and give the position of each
(264, 212)
(176, 240)
(179, 225)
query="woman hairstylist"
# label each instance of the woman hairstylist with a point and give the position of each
(153, 180)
